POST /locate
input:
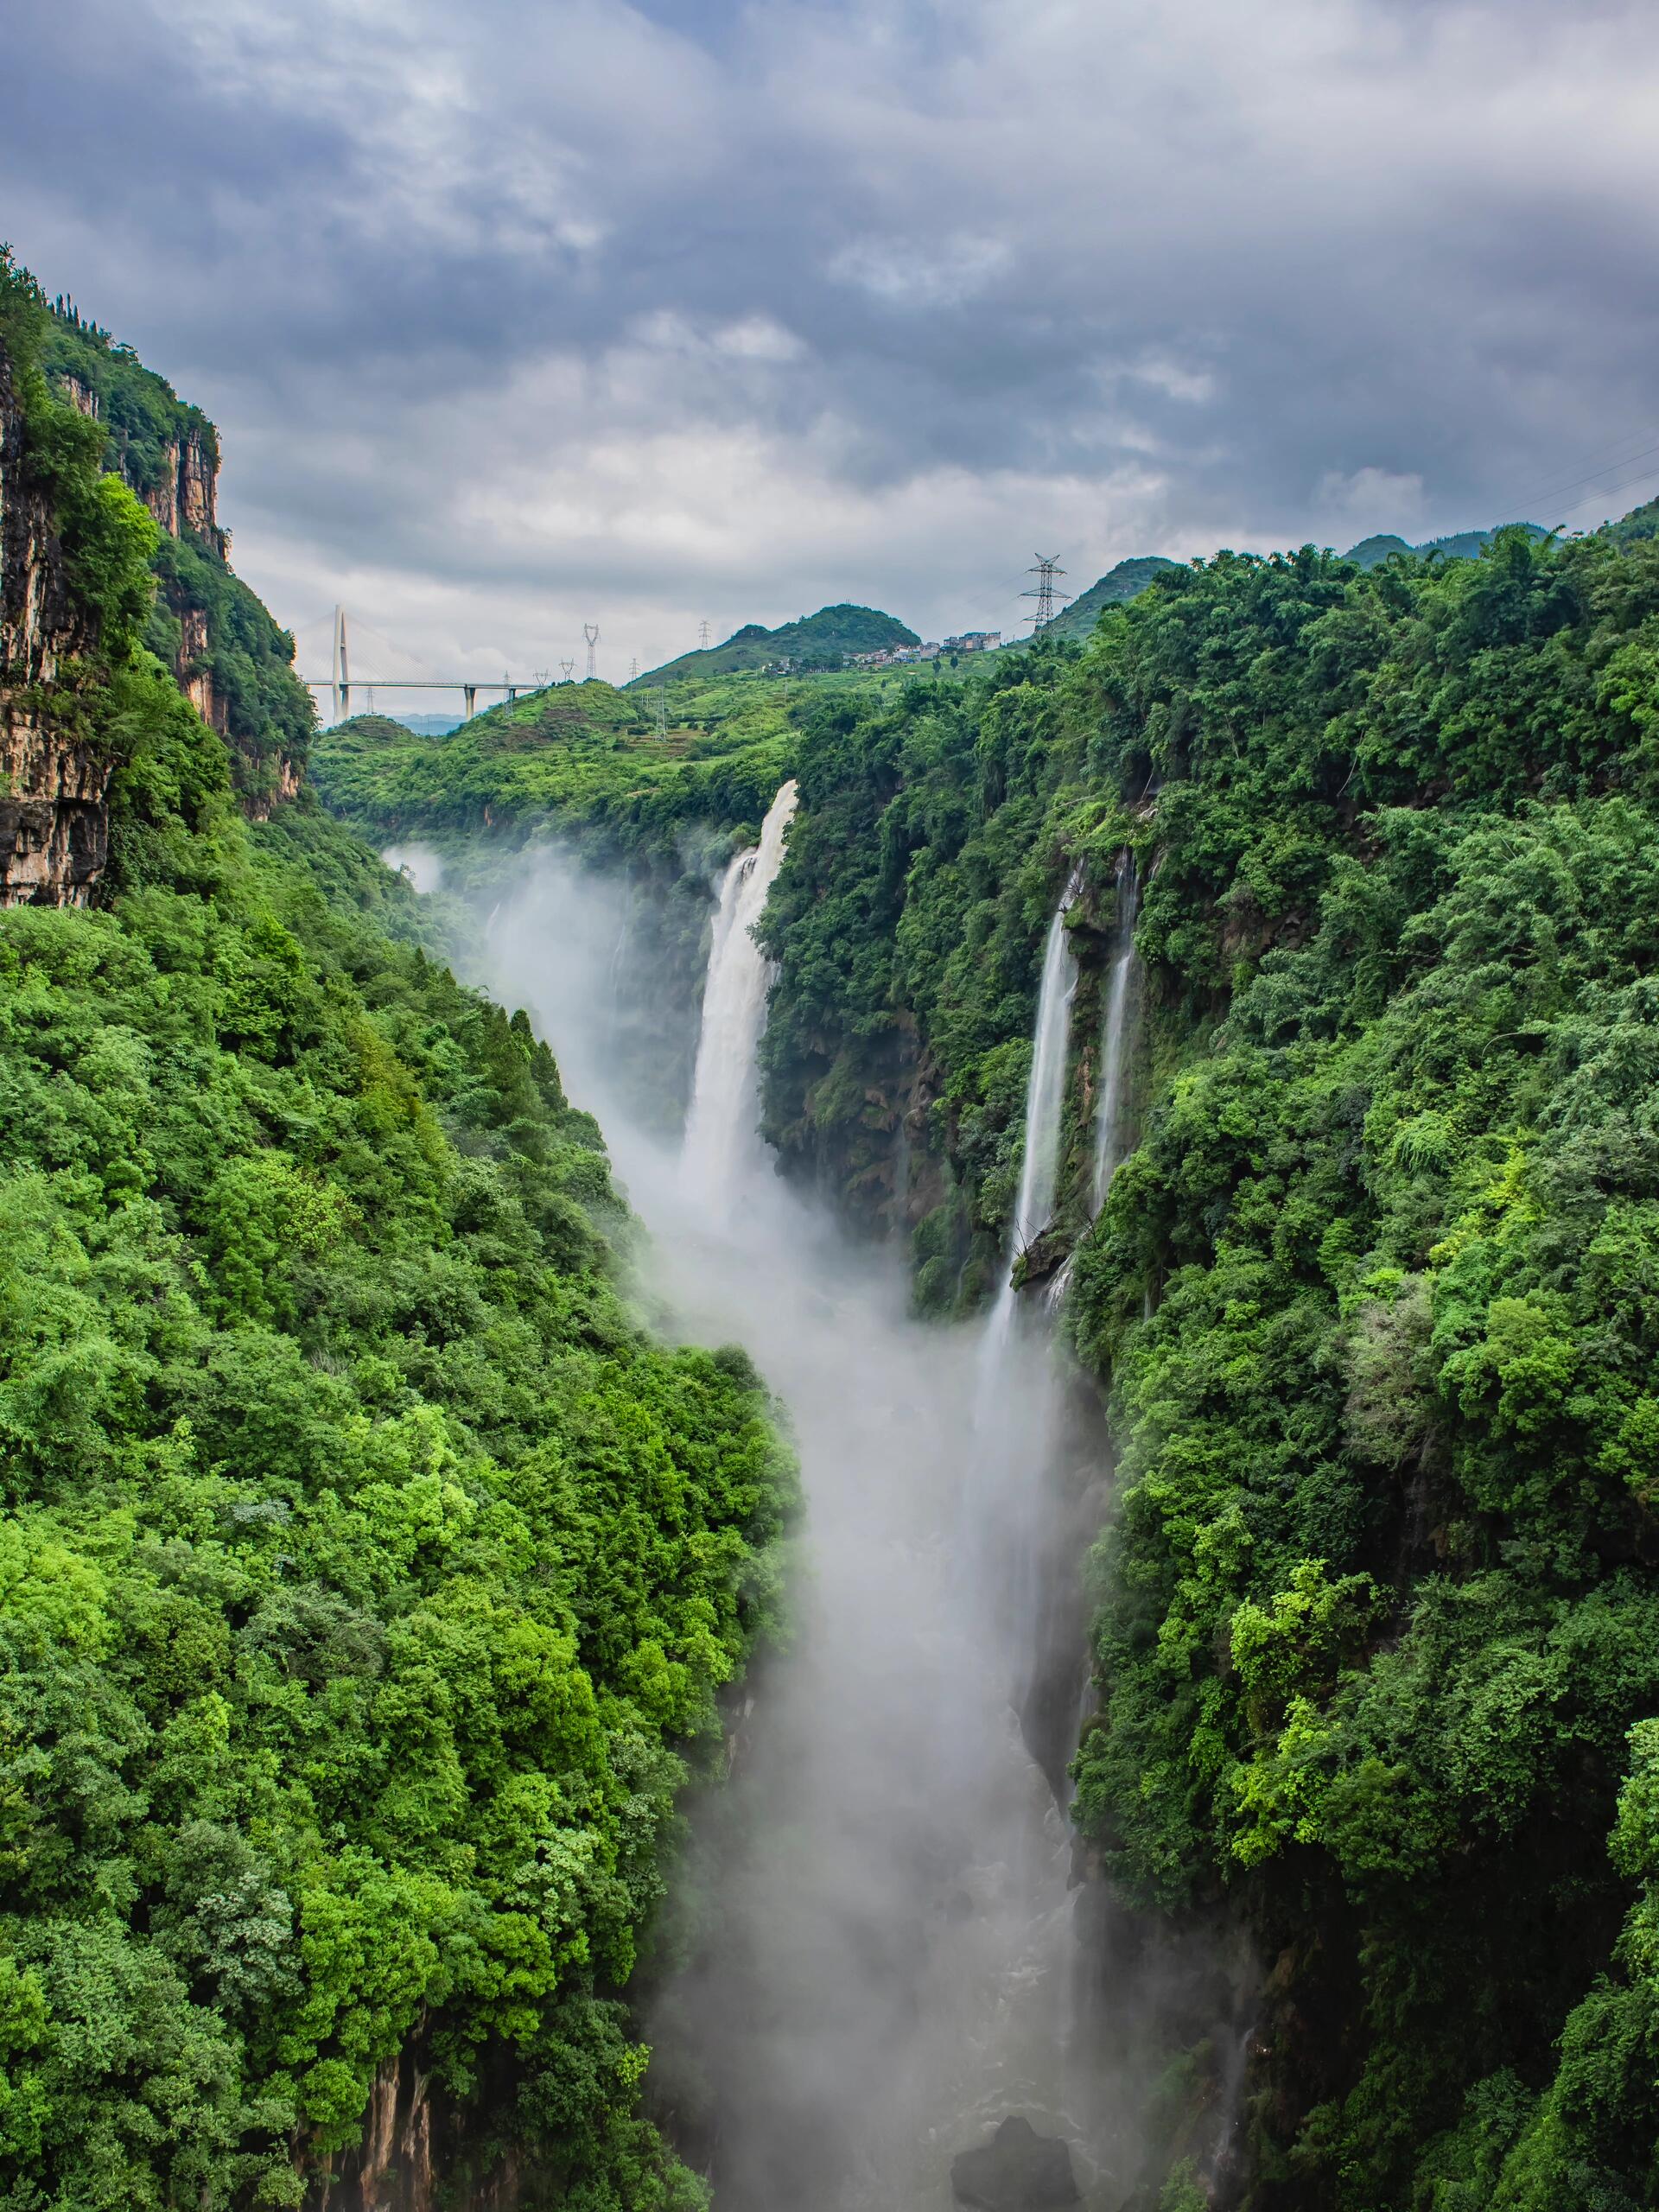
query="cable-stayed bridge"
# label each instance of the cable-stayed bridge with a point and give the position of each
(397, 670)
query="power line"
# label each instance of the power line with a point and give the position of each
(1554, 491)
(1612, 491)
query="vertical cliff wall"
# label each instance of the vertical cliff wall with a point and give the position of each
(54, 822)
(227, 656)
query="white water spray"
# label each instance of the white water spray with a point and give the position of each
(1109, 1135)
(1044, 1102)
(881, 1969)
(721, 1134)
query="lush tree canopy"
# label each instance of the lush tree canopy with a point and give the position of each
(367, 1573)
(1374, 1297)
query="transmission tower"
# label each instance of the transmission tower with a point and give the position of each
(341, 673)
(590, 631)
(1043, 592)
(633, 667)
(703, 636)
(567, 669)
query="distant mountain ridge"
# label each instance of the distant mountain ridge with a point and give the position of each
(1460, 545)
(820, 640)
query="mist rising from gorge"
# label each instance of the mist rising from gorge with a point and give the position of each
(878, 1917)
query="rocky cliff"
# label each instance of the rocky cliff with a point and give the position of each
(227, 654)
(53, 820)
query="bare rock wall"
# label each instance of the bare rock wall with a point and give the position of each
(53, 788)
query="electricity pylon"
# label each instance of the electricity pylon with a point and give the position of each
(1044, 594)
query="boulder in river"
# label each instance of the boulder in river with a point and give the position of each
(1018, 2170)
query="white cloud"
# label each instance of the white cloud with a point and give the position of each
(519, 309)
(920, 272)
(1371, 499)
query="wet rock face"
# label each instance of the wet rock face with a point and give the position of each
(55, 825)
(53, 817)
(1018, 2170)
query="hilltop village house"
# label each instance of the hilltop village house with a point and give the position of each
(970, 641)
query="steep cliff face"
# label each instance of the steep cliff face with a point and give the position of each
(184, 498)
(54, 822)
(227, 654)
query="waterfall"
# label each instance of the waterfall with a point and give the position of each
(1109, 1148)
(876, 1931)
(1045, 1100)
(721, 1135)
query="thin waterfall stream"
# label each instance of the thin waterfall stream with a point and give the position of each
(1045, 1100)
(1113, 1044)
(875, 1920)
(722, 1140)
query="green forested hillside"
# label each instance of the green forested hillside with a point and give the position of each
(575, 757)
(1460, 545)
(1375, 1297)
(815, 643)
(204, 623)
(367, 1572)
(1641, 522)
(1078, 619)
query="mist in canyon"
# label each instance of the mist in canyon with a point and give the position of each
(878, 1954)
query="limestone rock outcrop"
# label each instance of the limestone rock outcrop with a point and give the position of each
(53, 788)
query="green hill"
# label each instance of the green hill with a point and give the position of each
(1460, 545)
(825, 640)
(1124, 582)
(1641, 522)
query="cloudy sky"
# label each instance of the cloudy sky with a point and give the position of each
(524, 313)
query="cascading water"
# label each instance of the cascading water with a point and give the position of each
(720, 1138)
(1109, 1114)
(1114, 1043)
(877, 1971)
(1044, 1100)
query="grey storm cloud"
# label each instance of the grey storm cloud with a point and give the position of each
(690, 308)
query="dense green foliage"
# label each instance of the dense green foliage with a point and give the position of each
(1460, 545)
(1641, 522)
(815, 643)
(142, 426)
(1377, 1296)
(575, 757)
(1124, 582)
(266, 712)
(367, 1574)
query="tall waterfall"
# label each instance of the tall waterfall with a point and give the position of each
(721, 1134)
(1045, 1100)
(879, 1964)
(1109, 1136)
